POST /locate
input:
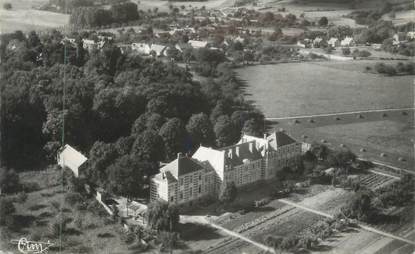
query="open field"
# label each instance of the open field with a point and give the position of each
(27, 20)
(323, 87)
(368, 135)
(164, 5)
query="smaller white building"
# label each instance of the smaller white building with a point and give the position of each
(70, 158)
(347, 42)
(333, 42)
(141, 48)
(197, 44)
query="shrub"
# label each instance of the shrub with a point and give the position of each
(7, 6)
(30, 187)
(73, 198)
(6, 210)
(346, 51)
(168, 240)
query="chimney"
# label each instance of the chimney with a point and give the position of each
(265, 136)
(179, 155)
(251, 147)
(164, 175)
(230, 153)
(237, 151)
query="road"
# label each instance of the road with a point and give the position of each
(205, 221)
(365, 227)
(337, 114)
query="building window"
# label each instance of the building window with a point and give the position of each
(200, 177)
(181, 195)
(191, 179)
(190, 192)
(181, 181)
(171, 198)
(200, 189)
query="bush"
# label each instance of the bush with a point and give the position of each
(7, 6)
(168, 240)
(73, 198)
(30, 187)
(6, 210)
(21, 197)
(346, 51)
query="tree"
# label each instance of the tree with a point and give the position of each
(101, 155)
(228, 193)
(342, 160)
(9, 181)
(253, 127)
(320, 151)
(149, 147)
(346, 51)
(359, 207)
(174, 137)
(6, 210)
(128, 177)
(200, 130)
(225, 131)
(162, 216)
(323, 21)
(7, 6)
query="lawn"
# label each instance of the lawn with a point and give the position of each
(27, 20)
(374, 133)
(323, 87)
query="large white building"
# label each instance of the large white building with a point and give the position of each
(208, 170)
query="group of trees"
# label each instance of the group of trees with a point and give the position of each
(95, 17)
(399, 69)
(126, 113)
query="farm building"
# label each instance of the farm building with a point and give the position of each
(347, 42)
(333, 42)
(197, 44)
(70, 158)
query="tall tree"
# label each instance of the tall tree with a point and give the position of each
(149, 147)
(174, 136)
(163, 216)
(200, 130)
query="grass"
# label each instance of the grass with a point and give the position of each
(23, 17)
(85, 231)
(324, 87)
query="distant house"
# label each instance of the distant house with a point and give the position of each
(333, 42)
(306, 43)
(89, 44)
(70, 158)
(148, 49)
(159, 50)
(317, 42)
(410, 36)
(398, 38)
(348, 42)
(197, 44)
(141, 48)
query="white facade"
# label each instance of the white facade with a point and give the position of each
(70, 158)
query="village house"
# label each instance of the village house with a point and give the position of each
(70, 158)
(410, 36)
(333, 42)
(317, 42)
(197, 44)
(209, 170)
(148, 49)
(347, 42)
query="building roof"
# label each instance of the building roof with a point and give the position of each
(157, 48)
(181, 166)
(241, 153)
(71, 158)
(198, 44)
(279, 139)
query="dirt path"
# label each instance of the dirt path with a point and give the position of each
(205, 221)
(370, 229)
(337, 114)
